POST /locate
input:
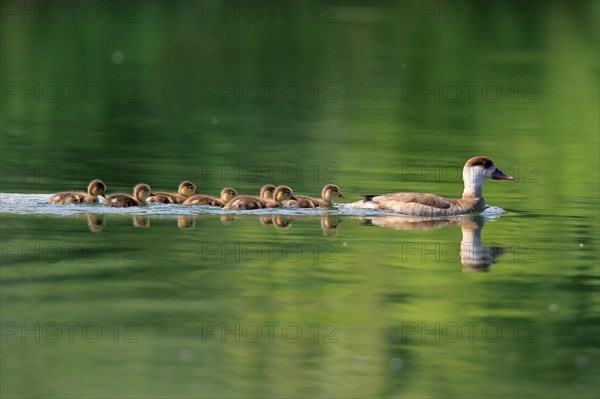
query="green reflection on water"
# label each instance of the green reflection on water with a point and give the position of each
(364, 120)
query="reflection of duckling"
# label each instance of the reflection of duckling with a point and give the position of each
(266, 221)
(281, 194)
(282, 222)
(94, 189)
(330, 224)
(186, 222)
(95, 222)
(140, 193)
(186, 189)
(227, 219)
(475, 171)
(227, 194)
(329, 192)
(141, 221)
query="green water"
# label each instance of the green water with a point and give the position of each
(375, 97)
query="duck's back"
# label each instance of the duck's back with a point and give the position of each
(166, 198)
(203, 200)
(248, 202)
(120, 201)
(72, 198)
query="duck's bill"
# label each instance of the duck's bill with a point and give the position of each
(293, 198)
(499, 175)
(340, 195)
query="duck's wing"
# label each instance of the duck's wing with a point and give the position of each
(430, 200)
(303, 201)
(201, 199)
(244, 202)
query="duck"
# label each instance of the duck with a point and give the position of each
(227, 194)
(329, 192)
(475, 171)
(95, 188)
(281, 194)
(186, 189)
(141, 192)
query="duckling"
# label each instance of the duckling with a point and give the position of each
(140, 193)
(475, 171)
(282, 193)
(227, 194)
(329, 192)
(186, 189)
(94, 189)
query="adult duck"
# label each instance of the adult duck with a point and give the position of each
(94, 189)
(475, 171)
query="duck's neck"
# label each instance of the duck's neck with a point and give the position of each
(473, 185)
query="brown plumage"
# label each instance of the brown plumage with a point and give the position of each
(186, 189)
(475, 171)
(227, 194)
(282, 193)
(140, 193)
(94, 189)
(329, 192)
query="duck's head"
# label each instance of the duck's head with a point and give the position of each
(331, 191)
(141, 192)
(476, 170)
(227, 194)
(267, 191)
(187, 189)
(283, 193)
(96, 187)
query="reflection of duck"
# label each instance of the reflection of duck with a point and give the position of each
(94, 189)
(140, 193)
(282, 193)
(95, 222)
(186, 189)
(329, 192)
(186, 222)
(227, 194)
(474, 256)
(142, 222)
(475, 171)
(330, 224)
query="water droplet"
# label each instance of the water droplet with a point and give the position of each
(396, 364)
(117, 57)
(553, 307)
(214, 121)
